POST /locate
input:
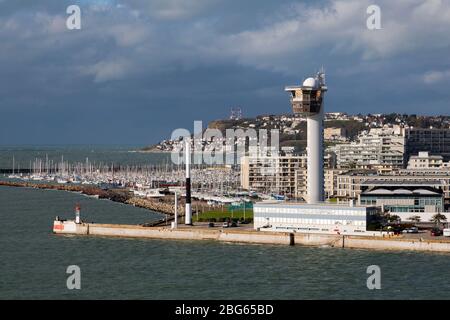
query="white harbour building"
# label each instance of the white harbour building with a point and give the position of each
(314, 218)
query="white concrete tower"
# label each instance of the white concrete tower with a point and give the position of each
(307, 100)
(188, 211)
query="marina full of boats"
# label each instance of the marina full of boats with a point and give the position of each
(213, 184)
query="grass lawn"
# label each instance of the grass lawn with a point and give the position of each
(225, 214)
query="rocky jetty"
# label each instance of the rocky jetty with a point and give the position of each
(161, 205)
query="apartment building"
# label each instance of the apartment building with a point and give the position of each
(382, 149)
(286, 175)
(330, 183)
(435, 141)
(426, 161)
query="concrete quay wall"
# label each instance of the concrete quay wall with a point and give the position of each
(315, 239)
(397, 244)
(257, 237)
(130, 231)
(249, 236)
(375, 243)
(190, 234)
(142, 232)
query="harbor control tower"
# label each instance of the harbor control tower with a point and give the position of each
(307, 100)
(316, 216)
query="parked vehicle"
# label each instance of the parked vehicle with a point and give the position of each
(225, 225)
(446, 232)
(211, 225)
(436, 232)
(411, 230)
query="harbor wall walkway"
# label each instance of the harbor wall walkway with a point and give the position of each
(251, 236)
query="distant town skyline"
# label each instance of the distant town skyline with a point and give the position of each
(137, 70)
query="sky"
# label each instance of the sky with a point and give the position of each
(137, 70)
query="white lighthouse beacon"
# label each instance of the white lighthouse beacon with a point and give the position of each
(77, 214)
(307, 100)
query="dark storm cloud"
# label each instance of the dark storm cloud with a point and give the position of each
(138, 69)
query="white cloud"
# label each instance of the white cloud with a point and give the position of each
(46, 23)
(172, 9)
(108, 70)
(130, 35)
(131, 39)
(433, 77)
(341, 29)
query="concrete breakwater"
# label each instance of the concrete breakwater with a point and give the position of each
(183, 233)
(251, 236)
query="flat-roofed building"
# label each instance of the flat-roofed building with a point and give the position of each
(426, 161)
(314, 218)
(350, 184)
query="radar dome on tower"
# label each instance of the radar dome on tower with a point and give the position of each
(310, 82)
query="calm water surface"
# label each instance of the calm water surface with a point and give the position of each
(33, 261)
(124, 155)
